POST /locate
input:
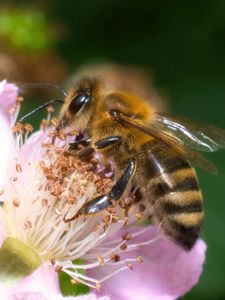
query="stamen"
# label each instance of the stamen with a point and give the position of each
(113, 274)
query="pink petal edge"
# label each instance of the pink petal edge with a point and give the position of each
(167, 272)
(8, 95)
(5, 149)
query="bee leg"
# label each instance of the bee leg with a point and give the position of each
(99, 203)
(86, 152)
(108, 141)
(75, 145)
(120, 186)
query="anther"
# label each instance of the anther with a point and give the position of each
(28, 127)
(27, 224)
(18, 168)
(101, 260)
(50, 109)
(127, 237)
(115, 257)
(58, 269)
(54, 122)
(123, 247)
(16, 202)
(139, 259)
(130, 266)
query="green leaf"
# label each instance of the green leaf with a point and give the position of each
(69, 289)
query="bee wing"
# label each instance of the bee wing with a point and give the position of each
(193, 157)
(199, 136)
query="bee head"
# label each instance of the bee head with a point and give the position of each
(79, 104)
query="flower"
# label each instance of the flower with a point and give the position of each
(42, 186)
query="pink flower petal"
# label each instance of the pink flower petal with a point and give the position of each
(87, 297)
(8, 95)
(167, 272)
(43, 284)
(5, 149)
(43, 280)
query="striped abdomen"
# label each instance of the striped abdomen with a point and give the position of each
(173, 193)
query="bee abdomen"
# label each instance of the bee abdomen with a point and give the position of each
(180, 214)
(178, 206)
(187, 184)
(184, 229)
(175, 199)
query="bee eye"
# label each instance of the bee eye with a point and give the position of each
(78, 102)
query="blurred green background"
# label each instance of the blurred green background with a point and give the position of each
(182, 44)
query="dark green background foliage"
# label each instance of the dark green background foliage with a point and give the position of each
(183, 44)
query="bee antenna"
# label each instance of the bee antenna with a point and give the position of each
(40, 108)
(44, 85)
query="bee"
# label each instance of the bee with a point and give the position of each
(153, 151)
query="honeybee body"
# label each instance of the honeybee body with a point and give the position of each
(168, 184)
(124, 127)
